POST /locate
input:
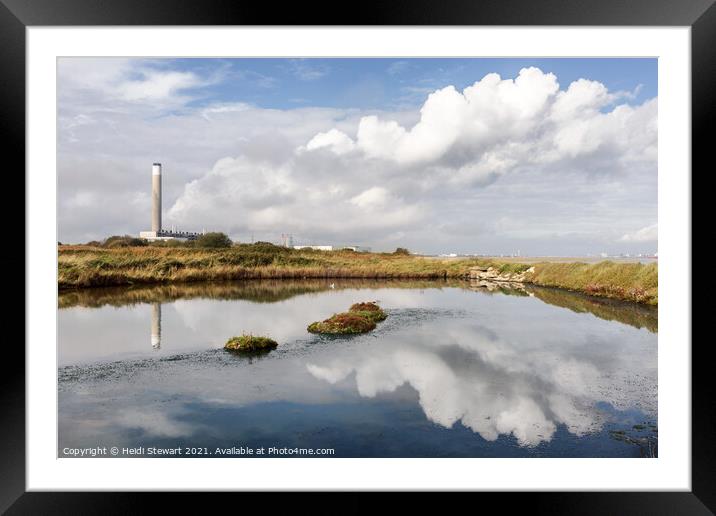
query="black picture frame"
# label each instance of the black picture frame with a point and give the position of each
(16, 15)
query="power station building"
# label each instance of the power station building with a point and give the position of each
(157, 233)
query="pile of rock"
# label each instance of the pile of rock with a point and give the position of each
(493, 275)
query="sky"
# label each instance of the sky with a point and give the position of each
(489, 156)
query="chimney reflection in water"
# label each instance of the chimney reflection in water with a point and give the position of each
(156, 325)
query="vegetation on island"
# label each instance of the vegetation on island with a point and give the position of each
(360, 318)
(368, 310)
(250, 343)
(343, 323)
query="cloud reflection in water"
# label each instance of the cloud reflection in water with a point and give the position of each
(464, 372)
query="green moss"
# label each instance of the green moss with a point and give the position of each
(250, 343)
(369, 310)
(372, 316)
(343, 323)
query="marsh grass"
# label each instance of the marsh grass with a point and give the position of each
(91, 266)
(628, 281)
(84, 266)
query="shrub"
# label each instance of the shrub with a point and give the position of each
(401, 251)
(213, 240)
(123, 241)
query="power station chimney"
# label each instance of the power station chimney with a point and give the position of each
(156, 325)
(157, 197)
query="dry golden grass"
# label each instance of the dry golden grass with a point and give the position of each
(630, 281)
(85, 266)
(82, 266)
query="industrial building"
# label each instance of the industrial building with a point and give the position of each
(356, 248)
(315, 247)
(157, 233)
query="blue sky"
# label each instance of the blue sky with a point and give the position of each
(392, 83)
(491, 156)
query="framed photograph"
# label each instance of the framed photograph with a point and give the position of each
(416, 250)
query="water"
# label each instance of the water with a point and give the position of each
(455, 371)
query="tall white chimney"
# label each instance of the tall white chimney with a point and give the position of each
(156, 325)
(157, 197)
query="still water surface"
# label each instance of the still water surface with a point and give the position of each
(455, 371)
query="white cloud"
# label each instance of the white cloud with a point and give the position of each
(156, 85)
(495, 385)
(562, 162)
(242, 195)
(645, 234)
(334, 139)
(234, 107)
(376, 197)
(128, 81)
(582, 97)
(499, 124)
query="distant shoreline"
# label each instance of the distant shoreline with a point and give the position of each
(88, 267)
(551, 259)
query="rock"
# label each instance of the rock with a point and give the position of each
(494, 275)
(502, 286)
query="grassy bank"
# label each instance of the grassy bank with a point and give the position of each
(629, 281)
(88, 266)
(84, 266)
